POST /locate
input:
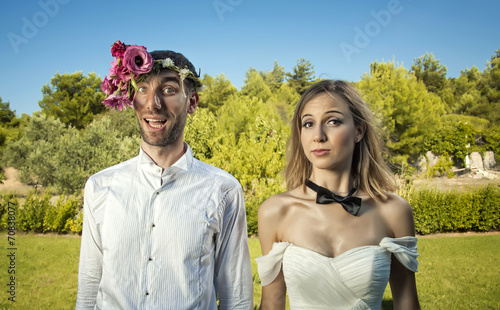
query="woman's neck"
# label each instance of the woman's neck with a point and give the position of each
(339, 183)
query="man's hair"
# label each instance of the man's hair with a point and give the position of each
(180, 61)
(369, 171)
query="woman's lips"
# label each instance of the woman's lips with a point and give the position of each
(320, 152)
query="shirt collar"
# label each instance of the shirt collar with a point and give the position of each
(183, 163)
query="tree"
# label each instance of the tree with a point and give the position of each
(490, 89)
(274, 78)
(74, 98)
(255, 86)
(454, 135)
(216, 91)
(428, 70)
(465, 90)
(6, 114)
(407, 111)
(51, 154)
(302, 76)
(9, 124)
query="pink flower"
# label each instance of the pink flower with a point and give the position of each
(118, 48)
(108, 86)
(137, 60)
(119, 71)
(117, 101)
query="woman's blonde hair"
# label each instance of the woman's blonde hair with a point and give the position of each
(369, 171)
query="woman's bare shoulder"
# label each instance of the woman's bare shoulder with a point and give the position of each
(279, 204)
(398, 214)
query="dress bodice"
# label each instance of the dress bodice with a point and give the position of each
(355, 279)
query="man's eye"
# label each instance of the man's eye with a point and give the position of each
(169, 90)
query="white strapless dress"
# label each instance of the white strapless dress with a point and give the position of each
(355, 279)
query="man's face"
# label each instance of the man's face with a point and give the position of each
(161, 107)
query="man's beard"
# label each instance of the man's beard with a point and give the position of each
(171, 136)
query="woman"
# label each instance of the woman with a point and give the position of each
(336, 252)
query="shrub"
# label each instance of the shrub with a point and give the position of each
(31, 215)
(59, 218)
(470, 210)
(38, 214)
(6, 201)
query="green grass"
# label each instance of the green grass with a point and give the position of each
(46, 272)
(458, 272)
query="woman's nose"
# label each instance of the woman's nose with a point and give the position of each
(319, 134)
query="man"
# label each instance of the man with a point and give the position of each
(162, 230)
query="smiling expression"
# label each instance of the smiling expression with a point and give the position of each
(161, 107)
(328, 133)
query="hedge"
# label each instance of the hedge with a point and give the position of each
(456, 211)
(38, 214)
(435, 211)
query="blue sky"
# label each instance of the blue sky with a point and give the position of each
(339, 38)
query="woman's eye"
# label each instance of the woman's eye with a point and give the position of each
(307, 124)
(142, 89)
(334, 122)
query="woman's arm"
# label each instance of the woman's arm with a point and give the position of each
(402, 280)
(273, 294)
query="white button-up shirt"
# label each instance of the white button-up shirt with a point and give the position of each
(171, 240)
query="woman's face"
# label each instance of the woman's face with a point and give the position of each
(328, 133)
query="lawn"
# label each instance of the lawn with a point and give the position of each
(455, 272)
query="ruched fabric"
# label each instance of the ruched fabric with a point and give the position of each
(355, 279)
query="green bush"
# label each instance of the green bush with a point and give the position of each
(6, 201)
(471, 210)
(31, 215)
(38, 214)
(60, 217)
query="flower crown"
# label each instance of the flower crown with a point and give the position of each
(131, 65)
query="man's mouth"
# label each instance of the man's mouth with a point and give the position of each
(155, 123)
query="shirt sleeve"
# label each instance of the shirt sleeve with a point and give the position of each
(90, 266)
(233, 273)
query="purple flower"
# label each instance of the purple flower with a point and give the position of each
(137, 60)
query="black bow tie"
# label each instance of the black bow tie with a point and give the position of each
(349, 203)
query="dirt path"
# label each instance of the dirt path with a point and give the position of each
(457, 183)
(464, 234)
(12, 184)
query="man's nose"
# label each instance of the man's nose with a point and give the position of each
(154, 101)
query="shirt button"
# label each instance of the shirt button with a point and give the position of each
(147, 293)
(153, 225)
(150, 258)
(157, 193)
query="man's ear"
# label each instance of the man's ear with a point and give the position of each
(193, 102)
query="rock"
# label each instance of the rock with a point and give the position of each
(489, 160)
(476, 161)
